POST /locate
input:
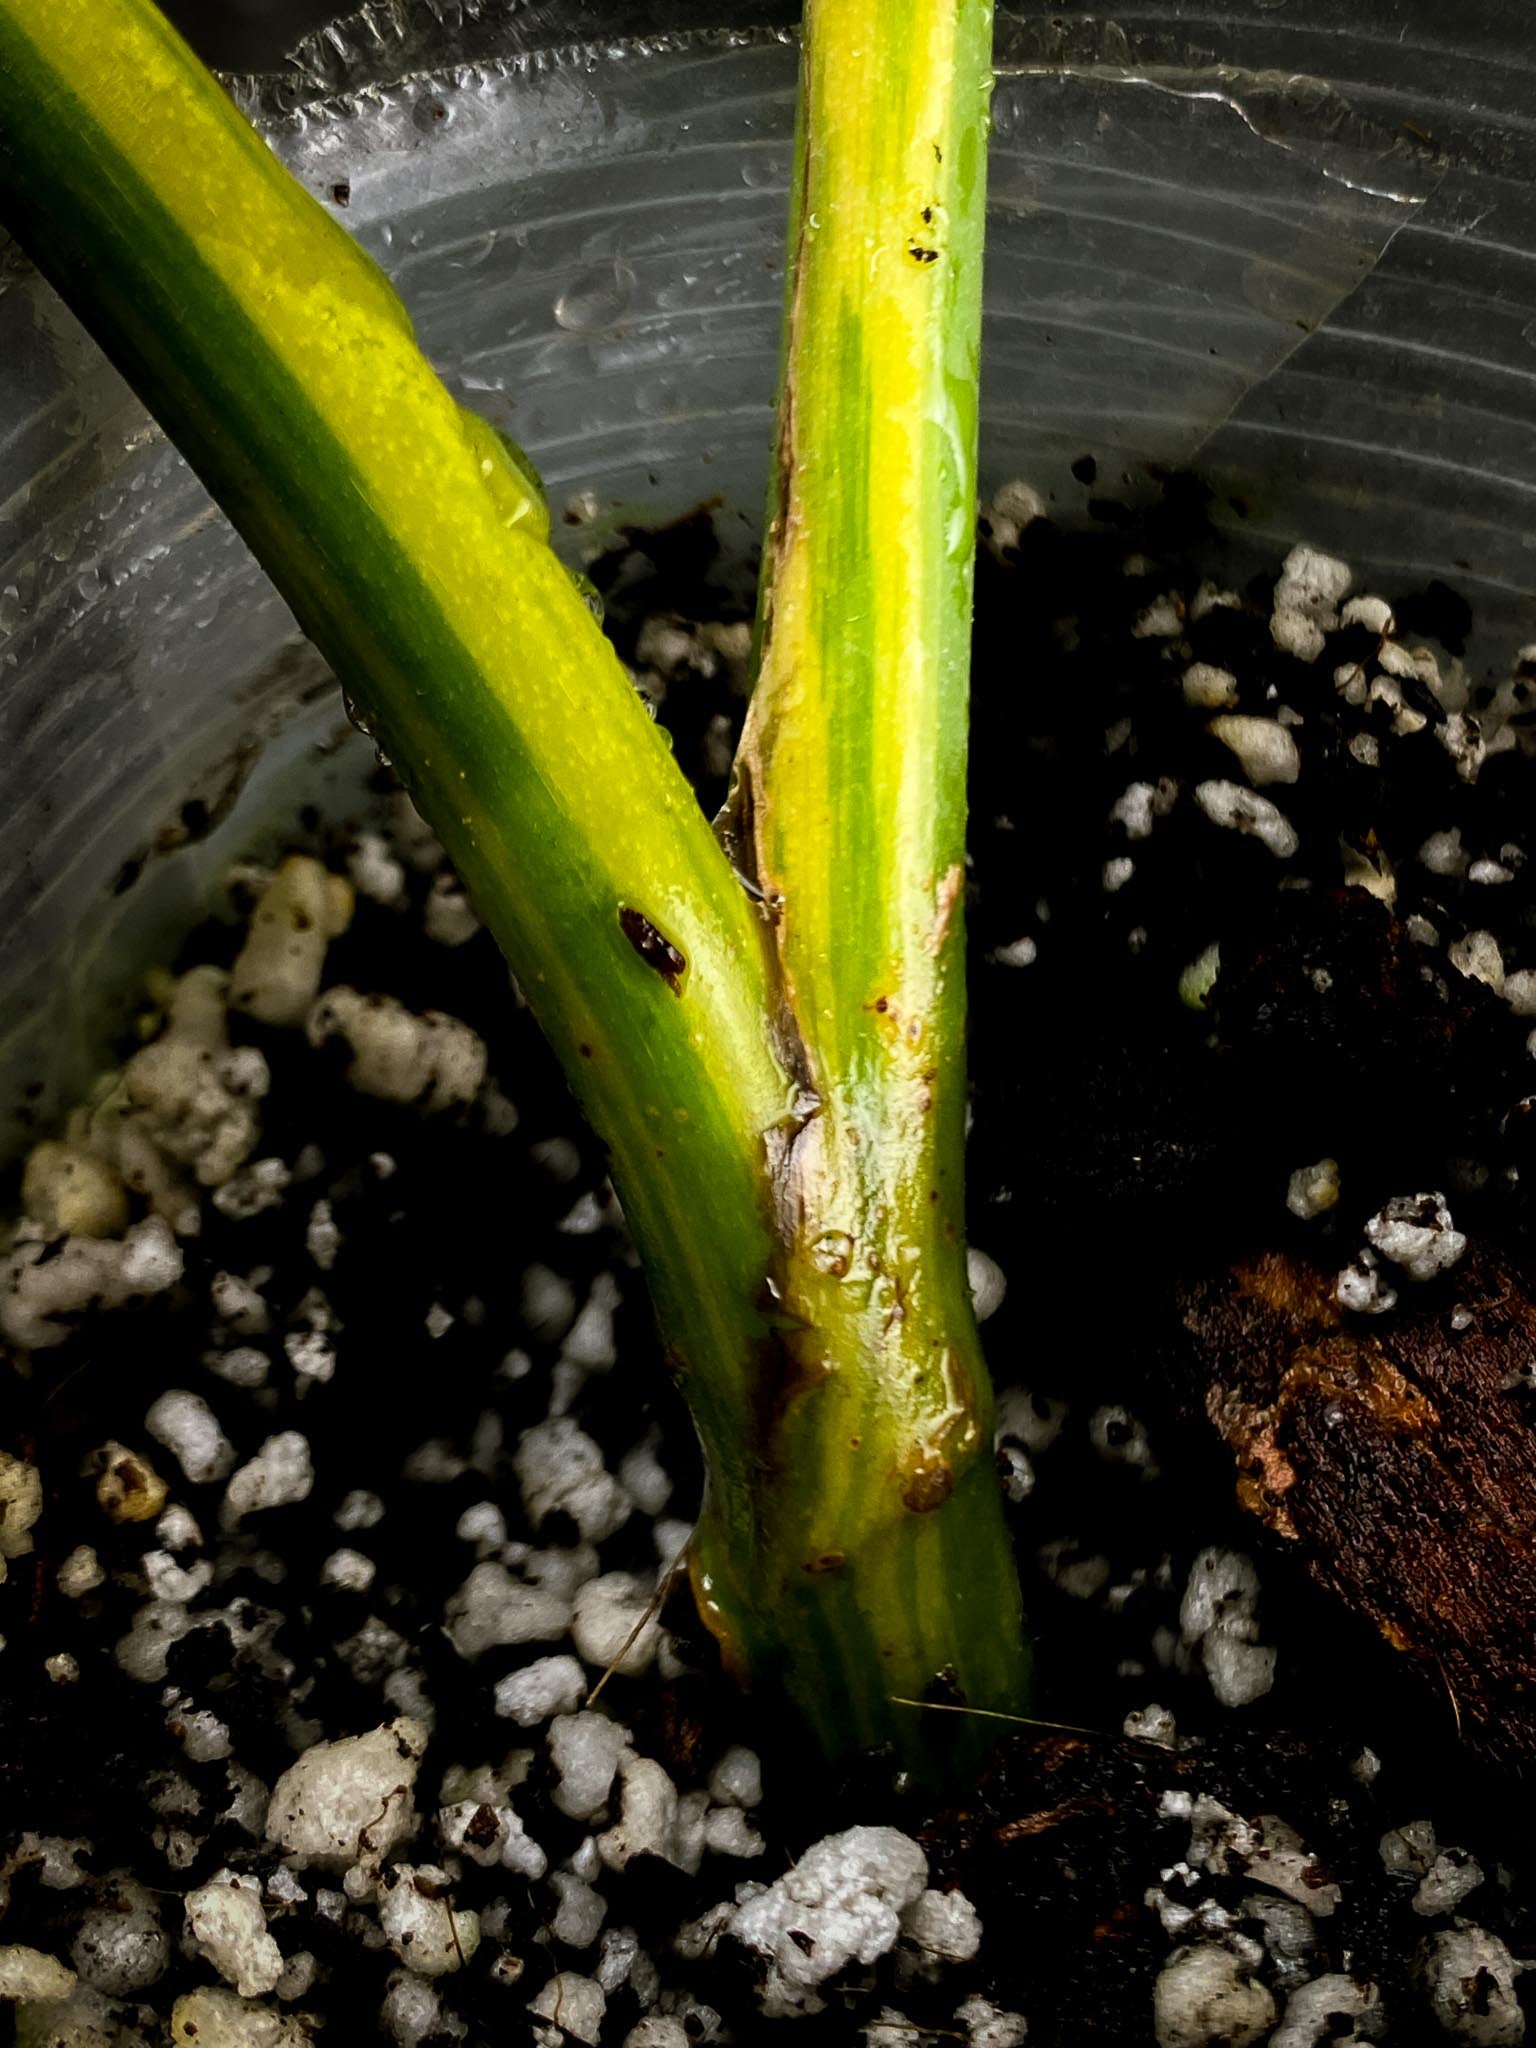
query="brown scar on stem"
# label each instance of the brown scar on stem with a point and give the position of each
(926, 1487)
(949, 894)
(833, 1561)
(897, 1312)
(654, 947)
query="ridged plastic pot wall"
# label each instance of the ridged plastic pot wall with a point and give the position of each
(1294, 252)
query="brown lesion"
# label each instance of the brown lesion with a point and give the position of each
(950, 892)
(654, 947)
(929, 1468)
(829, 1561)
(927, 1481)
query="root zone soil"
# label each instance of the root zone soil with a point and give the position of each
(1129, 1157)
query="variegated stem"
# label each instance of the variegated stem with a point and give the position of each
(881, 1543)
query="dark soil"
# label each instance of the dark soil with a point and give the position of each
(1125, 1151)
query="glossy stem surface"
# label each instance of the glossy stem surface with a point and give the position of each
(882, 1535)
(412, 546)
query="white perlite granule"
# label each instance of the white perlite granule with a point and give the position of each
(242, 1366)
(360, 1510)
(1373, 613)
(227, 1921)
(434, 1062)
(1207, 688)
(79, 1574)
(585, 1749)
(222, 2019)
(373, 870)
(484, 1525)
(1312, 2008)
(190, 1431)
(1362, 1289)
(590, 1342)
(349, 1801)
(411, 2012)
(172, 1582)
(987, 1281)
(942, 1926)
(121, 1948)
(1443, 853)
(1314, 584)
(1219, 1612)
(27, 1974)
(1264, 748)
(658, 2030)
(1452, 1877)
(278, 972)
(644, 1478)
(279, 1475)
(613, 1624)
(419, 1922)
(1205, 1995)
(843, 1900)
(1416, 1233)
(1468, 1976)
(446, 916)
(1163, 619)
(1154, 1723)
(1478, 957)
(579, 1916)
(21, 1502)
(1313, 1189)
(650, 1819)
(1141, 804)
(492, 1610)
(728, 1832)
(737, 1780)
(574, 2005)
(71, 1193)
(39, 1295)
(348, 1569)
(1240, 810)
(548, 1686)
(1293, 632)
(989, 2026)
(1014, 506)
(487, 1830)
(1266, 1849)
(560, 1468)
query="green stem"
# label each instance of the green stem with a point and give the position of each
(412, 548)
(879, 1530)
(781, 1093)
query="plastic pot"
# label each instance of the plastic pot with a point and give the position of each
(1295, 252)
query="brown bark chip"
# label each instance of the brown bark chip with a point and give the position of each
(1399, 1456)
